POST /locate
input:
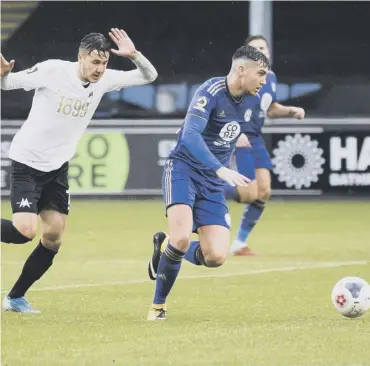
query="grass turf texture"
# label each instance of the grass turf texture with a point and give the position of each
(273, 309)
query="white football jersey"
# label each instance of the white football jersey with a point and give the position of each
(62, 108)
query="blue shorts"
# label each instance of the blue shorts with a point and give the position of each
(183, 185)
(248, 159)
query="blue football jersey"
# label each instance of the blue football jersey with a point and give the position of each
(268, 96)
(225, 117)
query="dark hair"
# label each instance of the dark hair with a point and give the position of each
(251, 53)
(254, 38)
(95, 41)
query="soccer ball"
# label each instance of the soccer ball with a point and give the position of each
(351, 297)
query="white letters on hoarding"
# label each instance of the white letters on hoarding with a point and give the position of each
(351, 160)
(356, 158)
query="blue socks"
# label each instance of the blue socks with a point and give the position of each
(194, 254)
(168, 269)
(251, 215)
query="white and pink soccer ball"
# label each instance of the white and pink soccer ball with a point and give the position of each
(351, 297)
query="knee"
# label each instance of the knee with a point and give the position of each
(215, 259)
(52, 240)
(264, 193)
(247, 194)
(180, 242)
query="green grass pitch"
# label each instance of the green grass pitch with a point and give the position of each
(272, 310)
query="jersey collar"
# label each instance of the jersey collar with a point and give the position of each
(235, 100)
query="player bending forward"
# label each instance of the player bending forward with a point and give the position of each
(195, 173)
(66, 97)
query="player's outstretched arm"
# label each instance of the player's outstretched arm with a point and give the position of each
(145, 72)
(6, 67)
(34, 78)
(126, 47)
(276, 110)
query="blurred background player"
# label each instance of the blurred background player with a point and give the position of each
(254, 161)
(195, 173)
(66, 97)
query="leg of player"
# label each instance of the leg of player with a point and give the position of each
(195, 253)
(21, 229)
(245, 161)
(214, 244)
(24, 198)
(252, 213)
(247, 195)
(264, 184)
(211, 220)
(180, 223)
(39, 261)
(212, 223)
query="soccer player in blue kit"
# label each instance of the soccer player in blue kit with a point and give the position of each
(254, 161)
(196, 172)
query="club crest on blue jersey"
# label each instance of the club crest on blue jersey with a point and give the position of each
(247, 115)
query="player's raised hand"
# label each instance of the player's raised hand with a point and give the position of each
(5, 66)
(243, 141)
(126, 47)
(297, 112)
(232, 177)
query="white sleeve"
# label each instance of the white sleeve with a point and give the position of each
(144, 74)
(34, 78)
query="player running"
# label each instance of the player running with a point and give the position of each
(66, 97)
(196, 171)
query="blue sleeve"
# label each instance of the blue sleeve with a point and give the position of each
(273, 83)
(196, 121)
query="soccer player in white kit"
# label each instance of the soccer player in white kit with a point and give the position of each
(66, 97)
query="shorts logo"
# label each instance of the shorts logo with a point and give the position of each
(230, 131)
(24, 203)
